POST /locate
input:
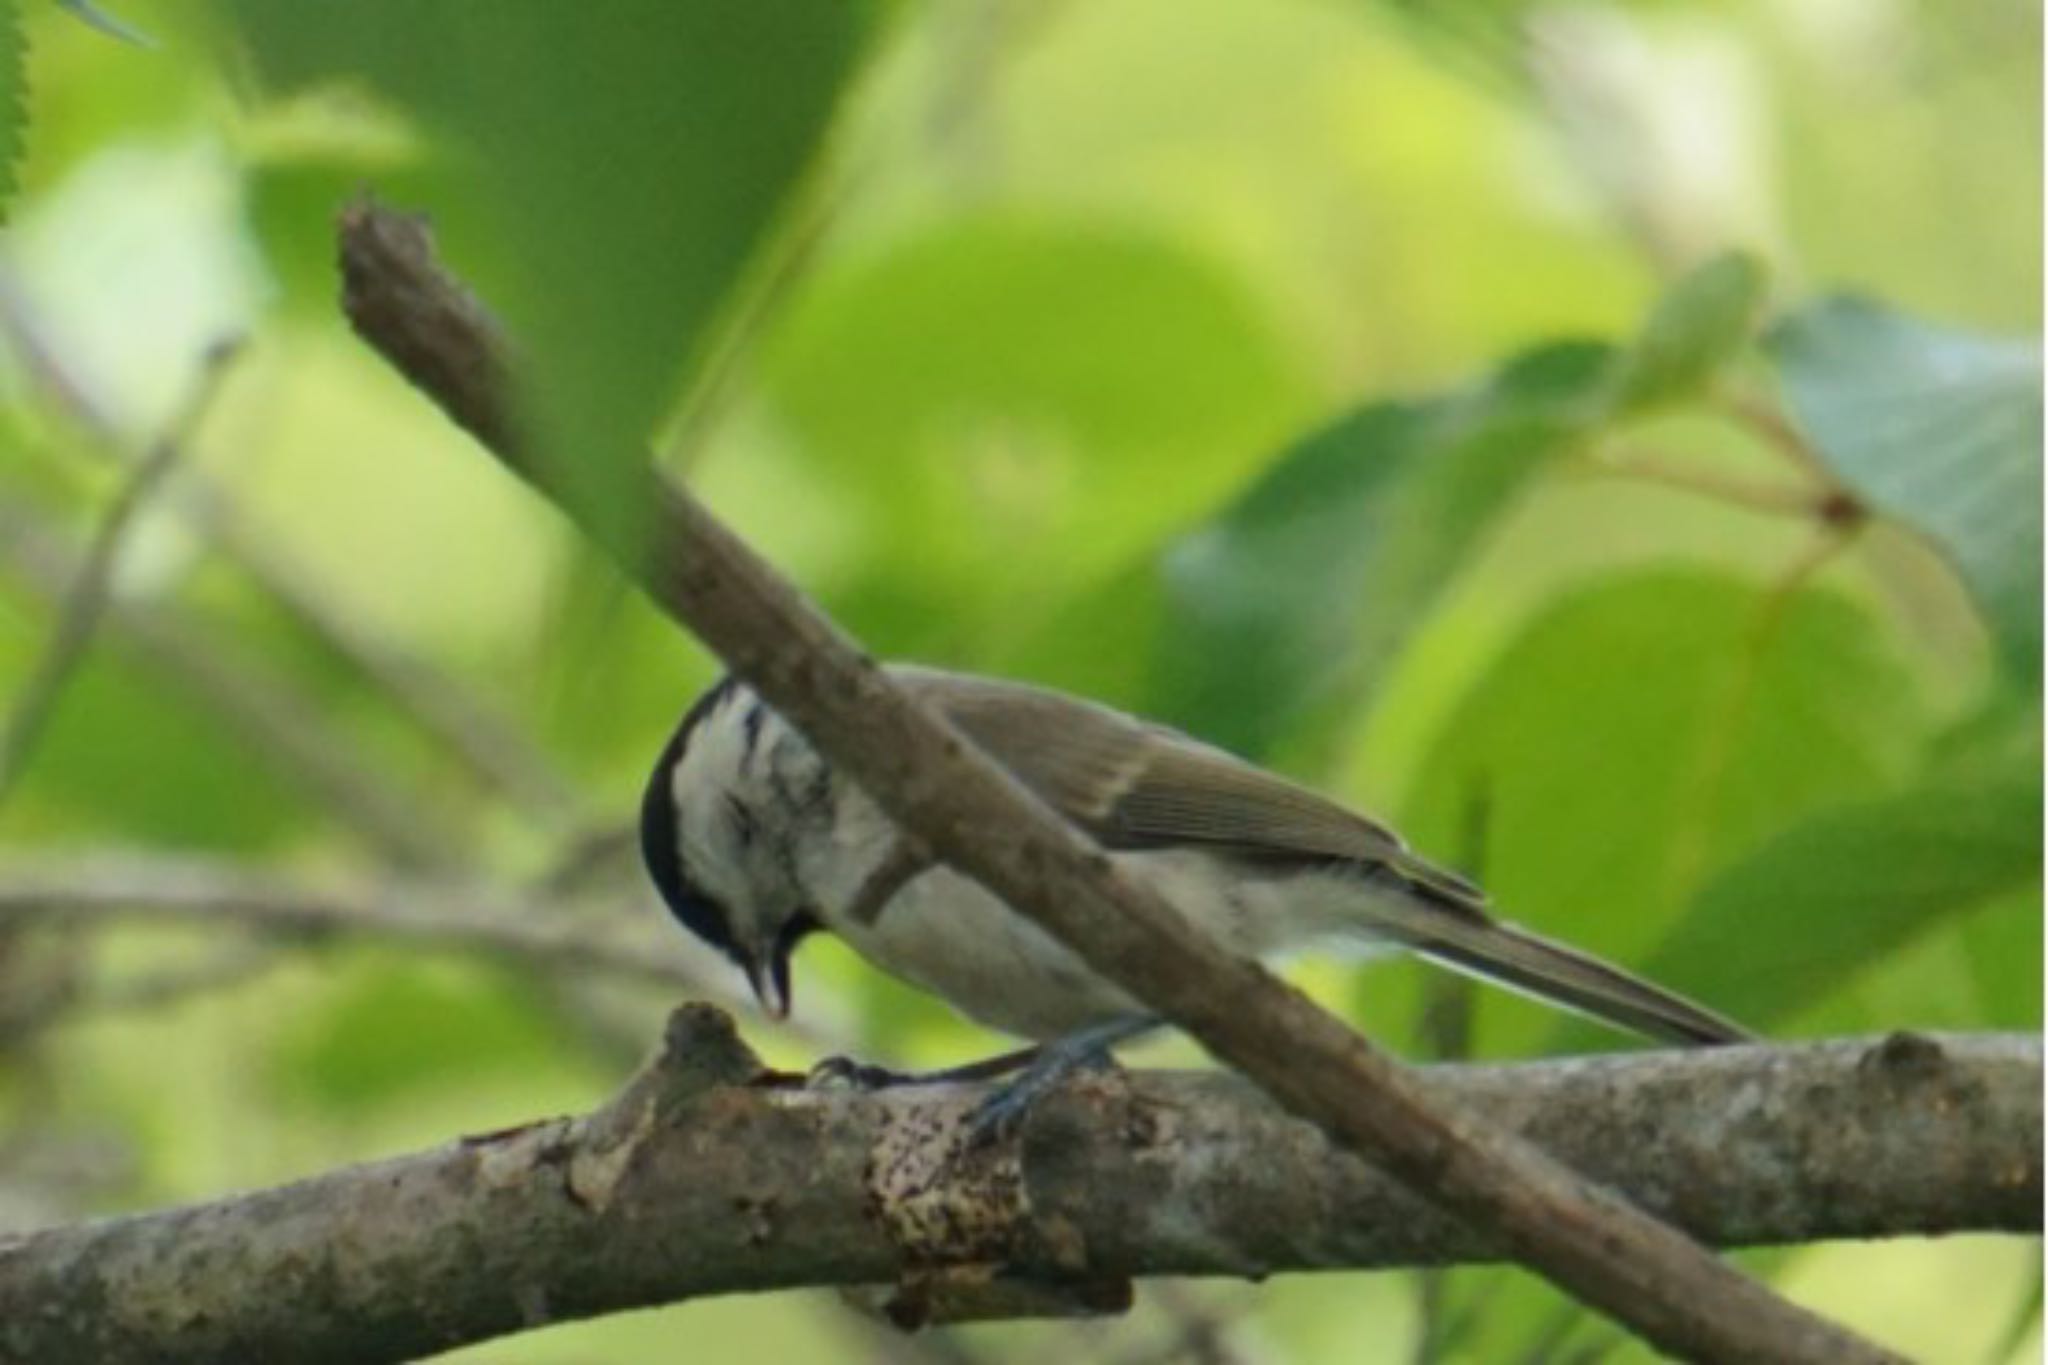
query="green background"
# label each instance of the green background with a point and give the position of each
(1458, 414)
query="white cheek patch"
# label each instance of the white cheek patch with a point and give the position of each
(719, 864)
(734, 828)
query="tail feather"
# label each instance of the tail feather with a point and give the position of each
(1555, 974)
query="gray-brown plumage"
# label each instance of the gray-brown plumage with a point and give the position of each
(1263, 863)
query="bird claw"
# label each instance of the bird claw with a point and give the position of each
(844, 1073)
(1002, 1113)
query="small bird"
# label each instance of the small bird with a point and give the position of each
(755, 842)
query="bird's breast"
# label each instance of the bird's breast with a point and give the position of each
(945, 933)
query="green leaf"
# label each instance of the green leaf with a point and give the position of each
(2002, 944)
(1940, 429)
(1646, 730)
(1803, 914)
(1304, 587)
(2001, 734)
(13, 100)
(627, 160)
(1006, 408)
(126, 758)
(1695, 329)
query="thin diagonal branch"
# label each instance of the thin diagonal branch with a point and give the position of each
(484, 742)
(493, 750)
(705, 1177)
(79, 613)
(1588, 1240)
(278, 725)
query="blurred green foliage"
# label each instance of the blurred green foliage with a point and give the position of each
(562, 124)
(1698, 327)
(1021, 462)
(1878, 873)
(1305, 585)
(394, 1029)
(12, 109)
(1941, 429)
(1447, 404)
(1619, 784)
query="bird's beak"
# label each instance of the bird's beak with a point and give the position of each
(769, 976)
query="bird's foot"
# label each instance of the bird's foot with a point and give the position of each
(846, 1073)
(849, 1073)
(1048, 1067)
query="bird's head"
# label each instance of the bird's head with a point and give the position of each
(716, 843)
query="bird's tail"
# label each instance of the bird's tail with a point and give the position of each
(1557, 975)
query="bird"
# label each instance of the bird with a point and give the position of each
(755, 842)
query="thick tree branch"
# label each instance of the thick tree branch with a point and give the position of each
(705, 1177)
(1589, 1241)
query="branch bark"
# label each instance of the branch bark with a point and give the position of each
(1592, 1243)
(706, 1176)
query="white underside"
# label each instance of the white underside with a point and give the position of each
(945, 933)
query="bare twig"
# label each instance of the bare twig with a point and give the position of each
(279, 726)
(586, 857)
(83, 604)
(520, 928)
(74, 993)
(220, 970)
(73, 893)
(1589, 1241)
(700, 1180)
(38, 354)
(491, 748)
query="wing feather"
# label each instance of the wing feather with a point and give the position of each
(1136, 785)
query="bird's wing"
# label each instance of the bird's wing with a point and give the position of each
(1135, 785)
